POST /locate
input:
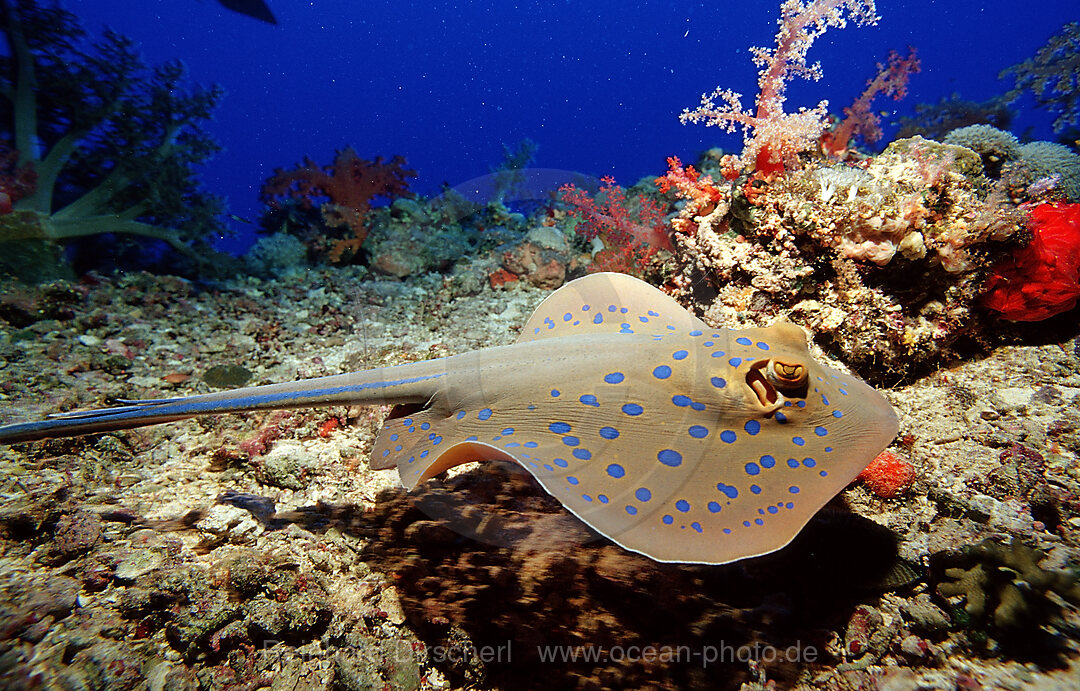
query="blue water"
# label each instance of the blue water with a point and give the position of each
(597, 85)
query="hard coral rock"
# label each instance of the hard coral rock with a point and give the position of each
(882, 262)
(1007, 594)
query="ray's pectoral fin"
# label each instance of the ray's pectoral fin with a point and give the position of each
(423, 442)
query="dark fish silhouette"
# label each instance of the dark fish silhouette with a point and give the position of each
(252, 8)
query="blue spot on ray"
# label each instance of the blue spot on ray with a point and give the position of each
(589, 399)
(729, 490)
(643, 494)
(609, 433)
(484, 414)
(670, 457)
(662, 372)
(614, 377)
(615, 470)
(633, 409)
(559, 427)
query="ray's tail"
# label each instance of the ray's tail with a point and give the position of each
(411, 383)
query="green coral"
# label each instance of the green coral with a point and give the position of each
(1007, 596)
(113, 142)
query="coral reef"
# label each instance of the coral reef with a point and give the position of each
(631, 229)
(859, 120)
(882, 261)
(995, 147)
(343, 192)
(888, 476)
(17, 180)
(1051, 160)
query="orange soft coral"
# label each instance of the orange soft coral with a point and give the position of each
(701, 193)
(1042, 278)
(343, 192)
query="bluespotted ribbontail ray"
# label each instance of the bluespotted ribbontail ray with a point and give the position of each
(676, 440)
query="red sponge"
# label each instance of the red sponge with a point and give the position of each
(1043, 278)
(888, 475)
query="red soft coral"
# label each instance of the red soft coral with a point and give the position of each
(687, 183)
(632, 230)
(344, 191)
(859, 119)
(16, 181)
(1042, 278)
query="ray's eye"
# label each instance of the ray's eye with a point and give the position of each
(789, 377)
(770, 378)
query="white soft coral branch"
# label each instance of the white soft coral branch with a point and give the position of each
(772, 138)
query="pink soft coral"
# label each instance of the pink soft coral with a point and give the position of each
(632, 230)
(859, 118)
(1042, 278)
(779, 137)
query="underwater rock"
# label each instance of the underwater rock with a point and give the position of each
(226, 376)
(542, 267)
(286, 466)
(76, 533)
(224, 523)
(275, 256)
